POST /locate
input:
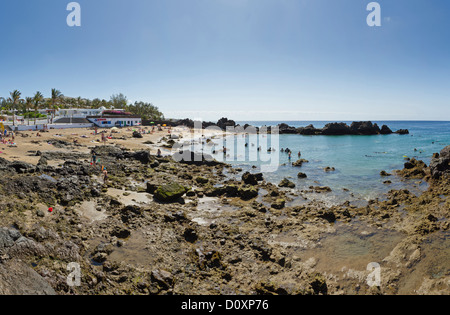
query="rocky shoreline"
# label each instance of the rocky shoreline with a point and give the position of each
(331, 129)
(165, 226)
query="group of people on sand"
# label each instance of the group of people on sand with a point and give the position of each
(8, 138)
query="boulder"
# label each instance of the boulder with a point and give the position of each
(247, 192)
(252, 179)
(336, 129)
(286, 129)
(17, 278)
(385, 130)
(309, 130)
(414, 169)
(286, 183)
(364, 128)
(194, 158)
(278, 204)
(300, 162)
(440, 164)
(223, 123)
(170, 192)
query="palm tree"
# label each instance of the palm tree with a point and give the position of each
(56, 98)
(38, 97)
(15, 97)
(2, 103)
(28, 104)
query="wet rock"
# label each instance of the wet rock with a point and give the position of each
(329, 169)
(138, 135)
(299, 163)
(194, 158)
(286, 183)
(320, 188)
(301, 175)
(402, 132)
(252, 179)
(247, 192)
(329, 216)
(231, 190)
(414, 169)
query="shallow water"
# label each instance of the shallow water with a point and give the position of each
(357, 160)
(434, 263)
(209, 210)
(352, 247)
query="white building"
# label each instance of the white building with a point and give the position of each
(109, 121)
(82, 112)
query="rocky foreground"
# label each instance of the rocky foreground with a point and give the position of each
(158, 226)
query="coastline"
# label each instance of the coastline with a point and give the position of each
(163, 227)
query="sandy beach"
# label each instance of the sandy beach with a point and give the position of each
(82, 140)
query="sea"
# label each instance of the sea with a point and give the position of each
(357, 160)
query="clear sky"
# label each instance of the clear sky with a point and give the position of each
(242, 59)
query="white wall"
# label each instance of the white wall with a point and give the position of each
(58, 126)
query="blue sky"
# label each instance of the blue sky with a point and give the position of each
(243, 59)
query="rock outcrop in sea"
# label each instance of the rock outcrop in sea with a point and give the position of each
(330, 129)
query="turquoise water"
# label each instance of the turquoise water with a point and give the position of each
(357, 160)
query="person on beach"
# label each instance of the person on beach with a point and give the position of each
(105, 175)
(289, 156)
(299, 154)
(94, 158)
(158, 154)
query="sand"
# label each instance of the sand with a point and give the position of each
(28, 142)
